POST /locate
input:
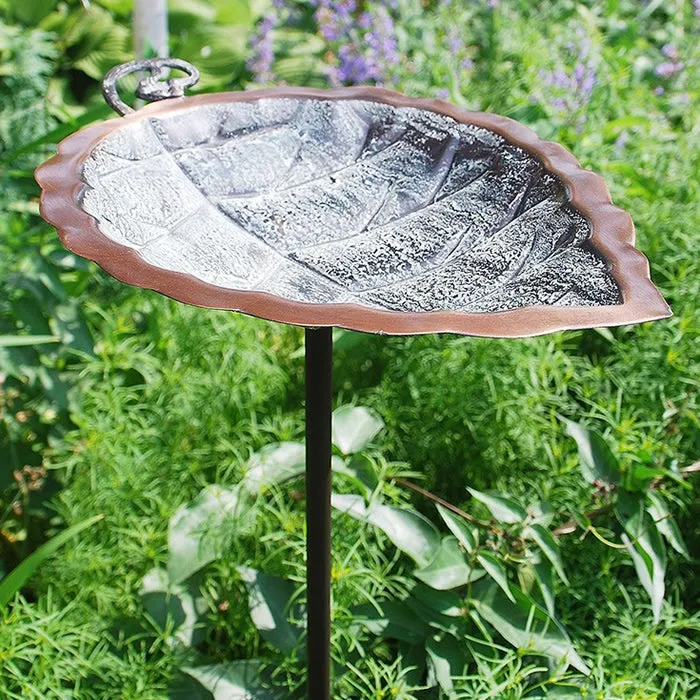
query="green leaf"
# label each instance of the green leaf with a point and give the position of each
(391, 619)
(614, 128)
(237, 680)
(639, 476)
(114, 48)
(280, 462)
(545, 580)
(460, 528)
(269, 602)
(524, 624)
(412, 659)
(645, 546)
(14, 581)
(184, 687)
(233, 12)
(447, 660)
(525, 572)
(540, 513)
(598, 463)
(70, 326)
(559, 691)
(449, 568)
(304, 69)
(546, 542)
(59, 133)
(174, 608)
(450, 624)
(446, 603)
(350, 504)
(16, 341)
(300, 59)
(496, 571)
(354, 427)
(666, 524)
(504, 509)
(217, 51)
(197, 532)
(407, 529)
(347, 341)
(194, 10)
(273, 465)
(605, 333)
(359, 469)
(649, 559)
(31, 12)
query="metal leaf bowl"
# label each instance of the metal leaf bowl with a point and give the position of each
(359, 208)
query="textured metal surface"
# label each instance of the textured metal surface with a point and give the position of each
(351, 201)
(152, 88)
(611, 232)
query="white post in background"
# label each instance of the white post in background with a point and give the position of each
(151, 28)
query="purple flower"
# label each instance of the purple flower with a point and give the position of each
(561, 79)
(443, 93)
(364, 20)
(667, 69)
(260, 63)
(658, 90)
(620, 143)
(571, 88)
(586, 80)
(670, 51)
(455, 43)
(355, 68)
(364, 41)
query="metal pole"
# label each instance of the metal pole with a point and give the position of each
(319, 386)
(151, 28)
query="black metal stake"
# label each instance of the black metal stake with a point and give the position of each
(319, 387)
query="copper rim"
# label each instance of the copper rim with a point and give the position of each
(613, 235)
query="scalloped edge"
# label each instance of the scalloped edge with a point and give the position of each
(613, 235)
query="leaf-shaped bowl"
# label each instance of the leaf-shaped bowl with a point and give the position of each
(359, 208)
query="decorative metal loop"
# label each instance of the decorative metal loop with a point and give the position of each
(155, 87)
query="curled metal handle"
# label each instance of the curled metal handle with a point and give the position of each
(156, 86)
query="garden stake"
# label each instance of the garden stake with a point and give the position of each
(359, 208)
(319, 406)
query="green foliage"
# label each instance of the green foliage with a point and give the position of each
(173, 608)
(269, 599)
(16, 579)
(460, 601)
(598, 464)
(504, 510)
(27, 64)
(525, 625)
(192, 534)
(237, 680)
(354, 427)
(409, 531)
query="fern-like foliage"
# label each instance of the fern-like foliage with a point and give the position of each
(26, 65)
